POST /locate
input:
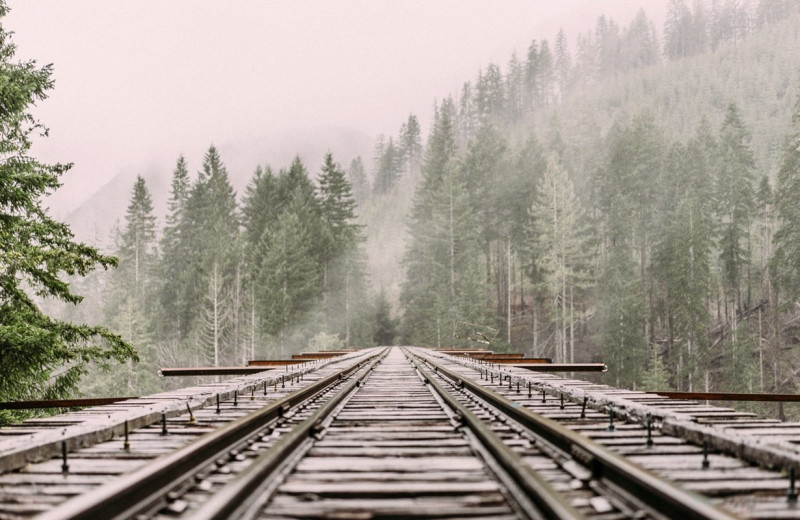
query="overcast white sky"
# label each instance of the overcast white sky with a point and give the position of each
(145, 80)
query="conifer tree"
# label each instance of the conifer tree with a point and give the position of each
(786, 262)
(562, 242)
(409, 142)
(138, 240)
(357, 176)
(173, 256)
(40, 357)
(210, 229)
(735, 202)
(342, 268)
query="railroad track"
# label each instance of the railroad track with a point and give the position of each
(741, 463)
(398, 433)
(45, 463)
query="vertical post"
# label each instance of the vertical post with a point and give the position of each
(64, 465)
(127, 444)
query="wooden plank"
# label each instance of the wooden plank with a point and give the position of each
(61, 403)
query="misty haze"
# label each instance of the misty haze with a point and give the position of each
(584, 181)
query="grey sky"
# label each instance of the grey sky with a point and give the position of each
(142, 81)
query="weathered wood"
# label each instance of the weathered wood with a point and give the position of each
(61, 403)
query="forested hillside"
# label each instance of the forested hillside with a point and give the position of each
(617, 199)
(626, 195)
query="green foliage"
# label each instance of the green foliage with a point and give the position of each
(42, 357)
(786, 262)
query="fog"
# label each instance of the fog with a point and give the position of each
(138, 83)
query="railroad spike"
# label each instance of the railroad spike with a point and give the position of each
(164, 424)
(791, 493)
(611, 426)
(649, 430)
(706, 462)
(583, 408)
(218, 411)
(127, 444)
(64, 465)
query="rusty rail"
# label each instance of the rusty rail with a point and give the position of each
(211, 371)
(731, 396)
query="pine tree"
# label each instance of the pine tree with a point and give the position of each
(785, 265)
(40, 357)
(287, 278)
(735, 203)
(562, 241)
(138, 241)
(210, 229)
(342, 268)
(563, 64)
(410, 145)
(357, 176)
(173, 256)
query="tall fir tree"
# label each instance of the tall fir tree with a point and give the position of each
(735, 203)
(173, 257)
(40, 357)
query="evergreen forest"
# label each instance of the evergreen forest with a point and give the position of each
(630, 195)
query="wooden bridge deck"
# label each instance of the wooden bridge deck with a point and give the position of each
(400, 432)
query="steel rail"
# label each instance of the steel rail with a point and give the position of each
(663, 497)
(143, 489)
(545, 502)
(245, 491)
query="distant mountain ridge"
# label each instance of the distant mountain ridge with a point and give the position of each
(94, 220)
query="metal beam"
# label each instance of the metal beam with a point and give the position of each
(731, 396)
(211, 371)
(562, 367)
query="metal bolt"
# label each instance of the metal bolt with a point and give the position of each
(544, 396)
(252, 393)
(529, 389)
(265, 388)
(649, 430)
(127, 444)
(583, 408)
(517, 385)
(64, 465)
(509, 382)
(217, 403)
(492, 377)
(562, 401)
(235, 398)
(191, 415)
(706, 462)
(791, 493)
(611, 426)
(164, 424)
(283, 381)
